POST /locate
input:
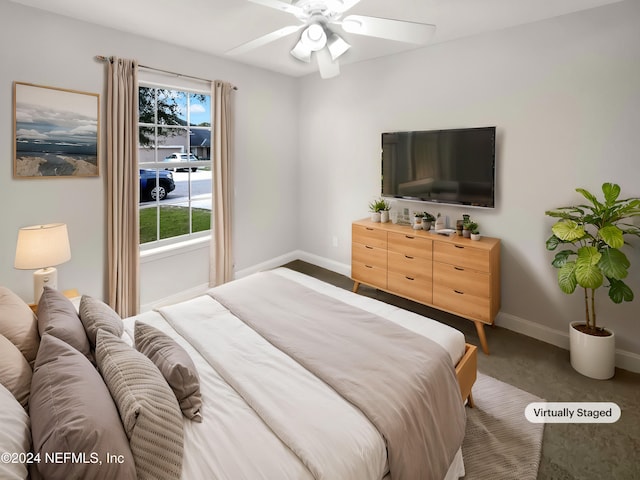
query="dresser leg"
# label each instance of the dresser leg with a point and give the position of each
(482, 336)
(356, 285)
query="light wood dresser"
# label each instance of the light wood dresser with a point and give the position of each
(454, 274)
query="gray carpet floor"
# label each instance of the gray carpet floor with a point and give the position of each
(569, 451)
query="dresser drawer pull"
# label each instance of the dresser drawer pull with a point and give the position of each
(368, 266)
(459, 268)
(410, 278)
(409, 257)
(369, 228)
(410, 237)
(459, 292)
(458, 246)
(367, 246)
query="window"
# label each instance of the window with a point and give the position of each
(175, 164)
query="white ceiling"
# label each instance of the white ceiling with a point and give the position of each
(216, 26)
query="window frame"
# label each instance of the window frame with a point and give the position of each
(158, 164)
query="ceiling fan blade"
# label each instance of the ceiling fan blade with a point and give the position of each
(278, 5)
(328, 67)
(265, 39)
(399, 30)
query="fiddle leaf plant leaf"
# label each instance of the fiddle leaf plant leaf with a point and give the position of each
(567, 277)
(561, 258)
(614, 264)
(568, 230)
(612, 236)
(619, 291)
(588, 273)
(611, 193)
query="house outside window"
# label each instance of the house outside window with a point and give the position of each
(175, 164)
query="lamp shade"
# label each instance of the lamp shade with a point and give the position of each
(41, 246)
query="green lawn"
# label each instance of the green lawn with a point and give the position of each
(174, 221)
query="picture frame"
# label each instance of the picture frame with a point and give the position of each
(56, 132)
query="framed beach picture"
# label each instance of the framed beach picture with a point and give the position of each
(56, 132)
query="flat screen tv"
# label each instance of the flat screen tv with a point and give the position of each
(442, 166)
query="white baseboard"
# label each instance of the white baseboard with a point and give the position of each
(624, 359)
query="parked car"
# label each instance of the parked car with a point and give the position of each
(148, 188)
(182, 157)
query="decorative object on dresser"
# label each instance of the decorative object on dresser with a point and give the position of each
(449, 273)
(378, 209)
(591, 236)
(42, 247)
(427, 220)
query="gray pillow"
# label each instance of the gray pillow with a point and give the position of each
(15, 372)
(58, 317)
(15, 434)
(72, 411)
(176, 367)
(18, 323)
(96, 315)
(148, 408)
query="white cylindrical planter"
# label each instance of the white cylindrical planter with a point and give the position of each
(375, 217)
(592, 356)
(384, 216)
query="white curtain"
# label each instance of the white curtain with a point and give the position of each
(123, 186)
(221, 257)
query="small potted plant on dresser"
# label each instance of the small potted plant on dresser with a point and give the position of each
(427, 220)
(473, 231)
(377, 208)
(591, 237)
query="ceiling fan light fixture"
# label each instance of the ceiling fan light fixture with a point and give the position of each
(301, 52)
(337, 45)
(314, 37)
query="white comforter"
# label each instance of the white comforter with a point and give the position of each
(266, 417)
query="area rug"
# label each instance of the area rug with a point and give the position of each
(500, 444)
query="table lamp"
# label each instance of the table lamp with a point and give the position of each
(42, 247)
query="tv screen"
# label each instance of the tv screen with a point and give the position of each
(443, 166)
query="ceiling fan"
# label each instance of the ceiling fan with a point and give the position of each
(318, 16)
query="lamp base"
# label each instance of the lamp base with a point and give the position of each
(45, 277)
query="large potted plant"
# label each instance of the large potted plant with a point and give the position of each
(590, 237)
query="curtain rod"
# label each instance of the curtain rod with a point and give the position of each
(102, 58)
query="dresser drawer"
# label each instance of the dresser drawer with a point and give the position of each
(412, 287)
(411, 266)
(368, 255)
(463, 304)
(461, 255)
(370, 236)
(369, 274)
(462, 279)
(411, 245)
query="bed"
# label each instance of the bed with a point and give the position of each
(271, 404)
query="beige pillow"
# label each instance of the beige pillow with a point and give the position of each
(15, 434)
(18, 324)
(148, 408)
(58, 317)
(176, 367)
(72, 411)
(15, 372)
(96, 315)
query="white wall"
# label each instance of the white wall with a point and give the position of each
(565, 96)
(51, 50)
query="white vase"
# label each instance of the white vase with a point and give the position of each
(476, 236)
(384, 216)
(592, 356)
(375, 217)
